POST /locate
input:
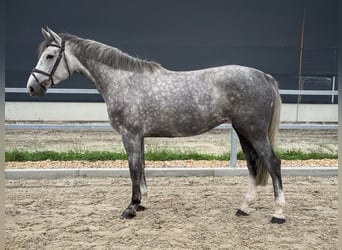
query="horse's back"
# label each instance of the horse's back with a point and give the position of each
(193, 102)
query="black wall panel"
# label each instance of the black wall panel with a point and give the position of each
(181, 35)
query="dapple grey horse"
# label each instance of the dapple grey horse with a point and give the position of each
(144, 99)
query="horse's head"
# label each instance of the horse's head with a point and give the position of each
(52, 66)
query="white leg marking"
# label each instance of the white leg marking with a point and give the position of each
(143, 190)
(279, 205)
(250, 196)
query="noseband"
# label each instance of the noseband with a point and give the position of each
(59, 57)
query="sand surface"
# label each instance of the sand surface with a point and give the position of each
(182, 213)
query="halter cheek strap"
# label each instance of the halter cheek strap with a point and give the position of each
(54, 68)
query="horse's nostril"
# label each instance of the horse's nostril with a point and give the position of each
(31, 89)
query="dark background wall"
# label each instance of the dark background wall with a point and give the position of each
(184, 35)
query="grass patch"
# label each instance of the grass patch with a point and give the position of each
(298, 155)
(17, 155)
(159, 155)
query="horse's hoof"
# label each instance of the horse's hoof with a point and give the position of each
(140, 208)
(128, 214)
(276, 220)
(239, 212)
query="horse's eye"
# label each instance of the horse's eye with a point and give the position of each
(49, 56)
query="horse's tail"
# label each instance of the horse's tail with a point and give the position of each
(262, 173)
(275, 120)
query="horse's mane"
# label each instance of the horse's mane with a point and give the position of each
(113, 57)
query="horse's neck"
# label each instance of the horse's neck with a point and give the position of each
(106, 66)
(104, 77)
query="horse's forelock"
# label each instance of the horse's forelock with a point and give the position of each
(42, 46)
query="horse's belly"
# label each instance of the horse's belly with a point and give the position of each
(182, 126)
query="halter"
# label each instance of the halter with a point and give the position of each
(59, 57)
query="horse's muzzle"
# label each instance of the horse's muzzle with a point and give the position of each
(35, 89)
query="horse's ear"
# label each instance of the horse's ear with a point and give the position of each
(46, 34)
(54, 36)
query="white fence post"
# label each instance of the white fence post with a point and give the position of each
(333, 89)
(233, 148)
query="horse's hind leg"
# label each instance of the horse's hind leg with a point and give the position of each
(251, 194)
(259, 154)
(272, 163)
(273, 166)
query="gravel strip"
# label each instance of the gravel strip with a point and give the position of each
(158, 164)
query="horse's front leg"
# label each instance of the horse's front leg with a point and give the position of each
(135, 151)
